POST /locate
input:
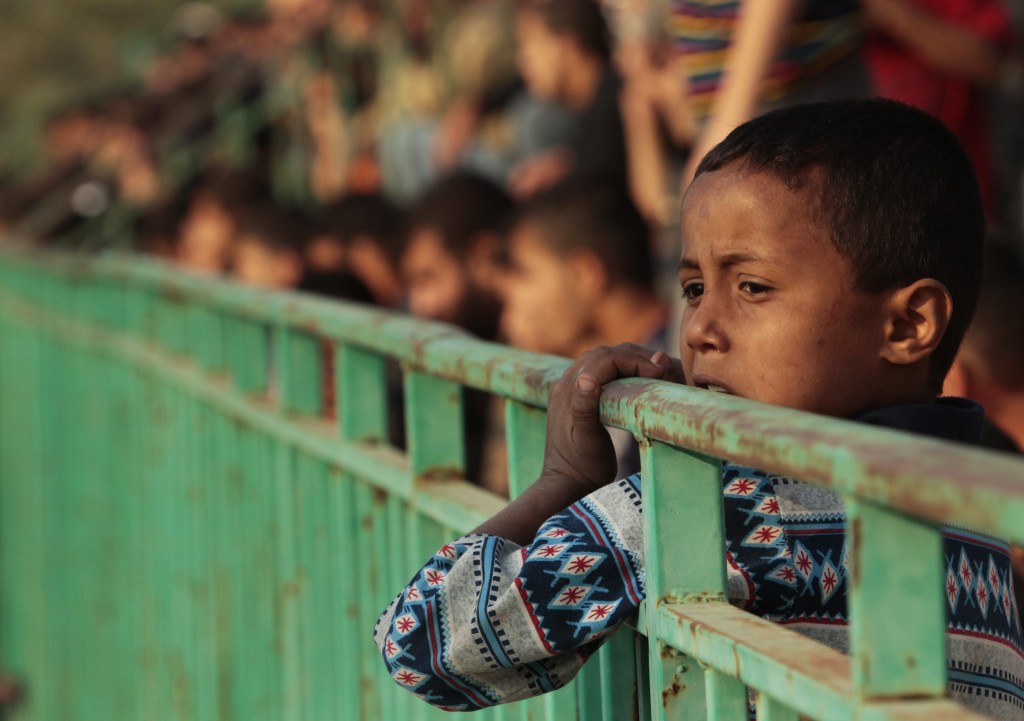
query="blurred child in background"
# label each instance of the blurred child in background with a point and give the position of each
(565, 57)
(581, 275)
(451, 274)
(266, 252)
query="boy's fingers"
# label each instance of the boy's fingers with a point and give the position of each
(601, 369)
(595, 368)
(608, 364)
(584, 404)
(673, 367)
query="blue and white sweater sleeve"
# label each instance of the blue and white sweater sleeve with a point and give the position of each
(487, 621)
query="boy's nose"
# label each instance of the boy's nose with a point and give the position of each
(702, 328)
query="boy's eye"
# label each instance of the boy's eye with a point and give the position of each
(693, 290)
(752, 288)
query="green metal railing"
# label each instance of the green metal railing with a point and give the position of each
(186, 533)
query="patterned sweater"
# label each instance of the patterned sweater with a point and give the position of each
(486, 621)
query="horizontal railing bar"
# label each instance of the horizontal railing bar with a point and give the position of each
(456, 503)
(814, 679)
(426, 346)
(936, 480)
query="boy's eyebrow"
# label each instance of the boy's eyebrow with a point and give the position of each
(724, 261)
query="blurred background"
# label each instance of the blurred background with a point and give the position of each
(513, 167)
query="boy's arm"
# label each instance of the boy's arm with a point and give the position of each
(578, 561)
(578, 454)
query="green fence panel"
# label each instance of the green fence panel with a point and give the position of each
(191, 528)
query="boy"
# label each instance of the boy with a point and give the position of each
(990, 365)
(581, 273)
(831, 258)
(565, 57)
(267, 252)
(448, 262)
(450, 272)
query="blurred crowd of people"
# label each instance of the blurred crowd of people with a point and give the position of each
(513, 167)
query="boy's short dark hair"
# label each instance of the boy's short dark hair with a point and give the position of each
(366, 215)
(581, 20)
(273, 228)
(598, 217)
(896, 192)
(458, 208)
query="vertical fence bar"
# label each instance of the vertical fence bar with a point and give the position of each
(202, 495)
(727, 697)
(299, 377)
(298, 362)
(433, 426)
(248, 354)
(769, 709)
(525, 428)
(360, 396)
(896, 603)
(684, 539)
(436, 449)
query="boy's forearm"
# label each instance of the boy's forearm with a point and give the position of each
(522, 517)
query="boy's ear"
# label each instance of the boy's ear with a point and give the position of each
(917, 318)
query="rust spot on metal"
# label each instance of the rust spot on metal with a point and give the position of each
(767, 639)
(703, 597)
(380, 497)
(173, 295)
(12, 691)
(441, 473)
(670, 692)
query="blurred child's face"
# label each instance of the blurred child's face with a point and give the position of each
(365, 258)
(258, 264)
(435, 281)
(539, 56)
(206, 235)
(771, 312)
(545, 310)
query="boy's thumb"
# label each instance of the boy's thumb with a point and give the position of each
(585, 400)
(587, 384)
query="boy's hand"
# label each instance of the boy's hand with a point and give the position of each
(578, 454)
(578, 447)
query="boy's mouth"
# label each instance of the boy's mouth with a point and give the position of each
(709, 383)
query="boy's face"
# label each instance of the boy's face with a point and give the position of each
(206, 236)
(436, 283)
(258, 264)
(545, 309)
(539, 57)
(771, 312)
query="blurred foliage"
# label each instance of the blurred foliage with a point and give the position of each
(54, 52)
